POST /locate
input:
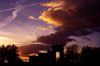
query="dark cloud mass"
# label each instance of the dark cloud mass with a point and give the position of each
(75, 13)
(53, 40)
(33, 48)
(72, 18)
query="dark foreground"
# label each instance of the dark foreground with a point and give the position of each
(44, 64)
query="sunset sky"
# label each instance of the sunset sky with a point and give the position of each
(35, 25)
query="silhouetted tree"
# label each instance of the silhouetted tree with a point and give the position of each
(72, 55)
(12, 53)
(9, 53)
(90, 55)
(18, 61)
(2, 54)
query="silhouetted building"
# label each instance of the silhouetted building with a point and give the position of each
(50, 56)
(33, 59)
(43, 57)
(58, 48)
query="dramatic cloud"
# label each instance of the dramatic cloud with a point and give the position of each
(72, 18)
(34, 48)
(53, 40)
(74, 13)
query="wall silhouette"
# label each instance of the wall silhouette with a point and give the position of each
(50, 56)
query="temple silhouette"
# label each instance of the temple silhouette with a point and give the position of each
(49, 57)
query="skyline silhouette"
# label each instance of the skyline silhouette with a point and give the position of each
(38, 27)
(88, 55)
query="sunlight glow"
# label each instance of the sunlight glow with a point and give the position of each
(1, 43)
(3, 38)
(25, 59)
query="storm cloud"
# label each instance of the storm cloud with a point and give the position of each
(74, 13)
(72, 18)
(48, 39)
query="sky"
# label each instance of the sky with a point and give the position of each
(35, 25)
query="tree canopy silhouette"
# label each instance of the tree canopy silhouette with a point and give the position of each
(72, 55)
(90, 55)
(9, 53)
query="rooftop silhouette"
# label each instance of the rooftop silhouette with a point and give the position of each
(49, 57)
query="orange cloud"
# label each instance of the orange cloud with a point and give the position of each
(43, 28)
(28, 37)
(70, 14)
(25, 59)
(50, 16)
(43, 51)
(33, 54)
(72, 18)
(50, 33)
(50, 26)
(53, 4)
(31, 17)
